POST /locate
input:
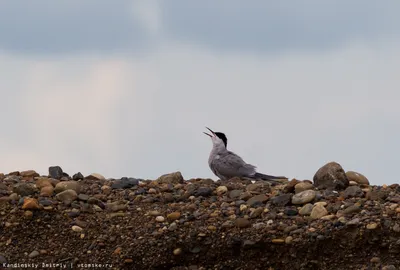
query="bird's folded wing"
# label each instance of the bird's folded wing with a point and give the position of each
(232, 165)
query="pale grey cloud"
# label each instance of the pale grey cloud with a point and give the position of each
(100, 26)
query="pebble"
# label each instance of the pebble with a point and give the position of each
(289, 240)
(77, 229)
(24, 189)
(318, 212)
(302, 186)
(160, 219)
(55, 172)
(257, 200)
(281, 200)
(30, 204)
(173, 216)
(354, 222)
(222, 190)
(306, 209)
(372, 226)
(375, 260)
(278, 241)
(242, 223)
(28, 214)
(67, 196)
(256, 212)
(47, 191)
(177, 251)
(67, 185)
(34, 254)
(304, 197)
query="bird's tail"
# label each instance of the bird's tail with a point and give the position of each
(268, 177)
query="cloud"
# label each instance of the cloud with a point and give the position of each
(140, 26)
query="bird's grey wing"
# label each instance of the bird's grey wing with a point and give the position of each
(231, 165)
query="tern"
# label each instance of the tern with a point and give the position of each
(226, 164)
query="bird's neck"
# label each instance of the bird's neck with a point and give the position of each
(219, 149)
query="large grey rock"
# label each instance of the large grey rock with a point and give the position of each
(24, 189)
(331, 176)
(304, 197)
(55, 172)
(171, 178)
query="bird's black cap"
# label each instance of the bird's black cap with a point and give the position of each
(222, 137)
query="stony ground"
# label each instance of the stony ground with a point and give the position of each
(336, 221)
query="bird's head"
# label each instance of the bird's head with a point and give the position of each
(218, 138)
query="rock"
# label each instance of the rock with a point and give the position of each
(354, 222)
(281, 200)
(5, 199)
(65, 185)
(235, 194)
(257, 199)
(177, 251)
(95, 176)
(242, 223)
(278, 241)
(290, 211)
(302, 186)
(24, 189)
(29, 173)
(256, 212)
(160, 219)
(289, 188)
(306, 209)
(77, 176)
(83, 197)
(3, 259)
(318, 212)
(389, 267)
(55, 172)
(67, 196)
(372, 226)
(47, 191)
(289, 240)
(30, 204)
(304, 197)
(116, 206)
(352, 209)
(173, 216)
(43, 182)
(353, 191)
(222, 190)
(203, 191)
(172, 178)
(396, 228)
(34, 254)
(331, 176)
(375, 260)
(77, 229)
(357, 177)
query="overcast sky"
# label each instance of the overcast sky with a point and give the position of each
(125, 88)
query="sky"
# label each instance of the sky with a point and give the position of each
(126, 88)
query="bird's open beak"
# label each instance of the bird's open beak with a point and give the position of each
(212, 132)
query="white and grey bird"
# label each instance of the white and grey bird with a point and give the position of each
(226, 164)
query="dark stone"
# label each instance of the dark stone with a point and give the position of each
(281, 200)
(353, 191)
(331, 176)
(77, 176)
(24, 189)
(235, 194)
(55, 172)
(291, 212)
(203, 191)
(124, 183)
(258, 199)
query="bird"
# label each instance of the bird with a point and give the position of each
(226, 164)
